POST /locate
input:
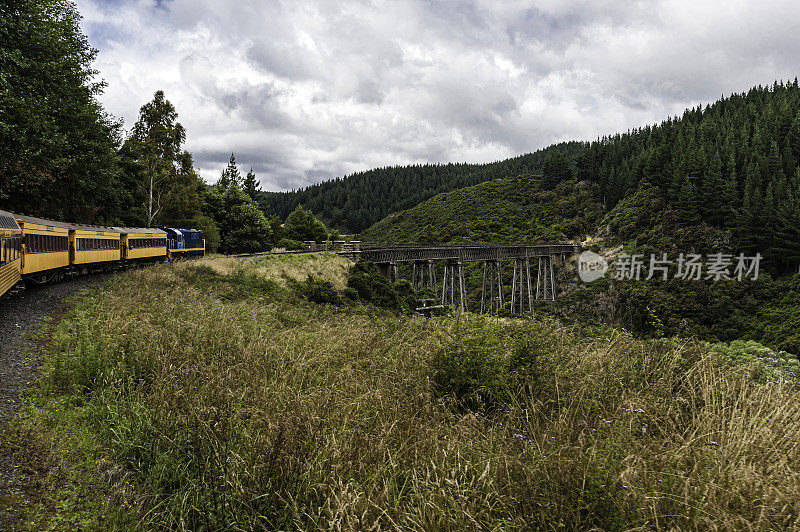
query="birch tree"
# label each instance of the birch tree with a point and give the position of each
(155, 144)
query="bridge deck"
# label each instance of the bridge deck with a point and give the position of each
(466, 253)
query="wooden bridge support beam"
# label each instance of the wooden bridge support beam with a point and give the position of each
(454, 289)
(521, 293)
(545, 280)
(423, 275)
(493, 280)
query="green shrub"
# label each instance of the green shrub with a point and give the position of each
(319, 291)
(372, 286)
(406, 294)
(350, 293)
(291, 245)
(768, 365)
(792, 345)
(471, 367)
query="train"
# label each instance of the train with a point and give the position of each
(37, 250)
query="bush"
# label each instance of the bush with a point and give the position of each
(291, 245)
(767, 364)
(319, 291)
(471, 367)
(372, 286)
(350, 293)
(792, 345)
(406, 295)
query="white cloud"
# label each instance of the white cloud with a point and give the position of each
(308, 91)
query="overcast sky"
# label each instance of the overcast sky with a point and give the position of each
(307, 91)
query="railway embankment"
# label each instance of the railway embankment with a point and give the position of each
(24, 318)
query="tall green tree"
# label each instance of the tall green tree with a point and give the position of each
(718, 193)
(185, 203)
(303, 225)
(155, 148)
(57, 145)
(251, 186)
(249, 230)
(230, 175)
(688, 202)
(556, 169)
(244, 228)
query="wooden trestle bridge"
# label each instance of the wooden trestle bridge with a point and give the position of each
(451, 290)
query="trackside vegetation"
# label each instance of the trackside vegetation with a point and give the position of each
(217, 394)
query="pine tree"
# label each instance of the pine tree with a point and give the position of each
(251, 186)
(730, 195)
(556, 169)
(774, 163)
(714, 202)
(230, 175)
(750, 225)
(687, 204)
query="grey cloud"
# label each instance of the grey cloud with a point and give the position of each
(313, 90)
(287, 61)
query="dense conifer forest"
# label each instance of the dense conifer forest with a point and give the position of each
(355, 202)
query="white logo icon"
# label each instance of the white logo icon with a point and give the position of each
(591, 266)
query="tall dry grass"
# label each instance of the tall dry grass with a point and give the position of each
(327, 266)
(234, 404)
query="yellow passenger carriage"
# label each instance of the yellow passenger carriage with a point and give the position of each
(45, 248)
(95, 247)
(143, 244)
(10, 252)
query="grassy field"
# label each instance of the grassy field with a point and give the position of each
(212, 394)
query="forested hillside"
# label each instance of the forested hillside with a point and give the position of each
(357, 201)
(517, 209)
(727, 173)
(731, 165)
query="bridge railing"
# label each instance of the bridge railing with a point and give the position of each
(465, 253)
